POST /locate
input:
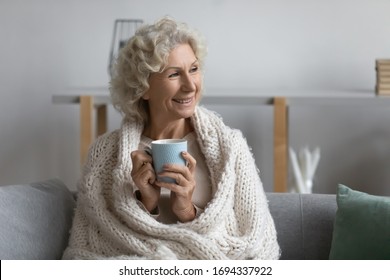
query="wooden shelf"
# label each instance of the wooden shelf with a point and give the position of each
(280, 100)
(248, 97)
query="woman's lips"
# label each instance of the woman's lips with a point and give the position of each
(183, 100)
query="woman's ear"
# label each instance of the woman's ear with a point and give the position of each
(146, 96)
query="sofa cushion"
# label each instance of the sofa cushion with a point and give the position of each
(35, 220)
(362, 226)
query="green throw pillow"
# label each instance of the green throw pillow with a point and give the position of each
(361, 227)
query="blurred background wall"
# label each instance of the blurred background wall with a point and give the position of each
(256, 47)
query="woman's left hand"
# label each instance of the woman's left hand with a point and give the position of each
(182, 191)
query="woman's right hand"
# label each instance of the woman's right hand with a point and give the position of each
(144, 177)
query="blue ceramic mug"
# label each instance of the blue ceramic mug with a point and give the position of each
(167, 151)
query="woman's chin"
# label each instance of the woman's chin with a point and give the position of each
(185, 111)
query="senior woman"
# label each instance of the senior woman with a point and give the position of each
(217, 208)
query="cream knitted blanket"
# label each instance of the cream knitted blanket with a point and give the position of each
(236, 223)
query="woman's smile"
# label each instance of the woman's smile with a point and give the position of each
(184, 101)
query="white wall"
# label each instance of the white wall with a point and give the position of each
(55, 47)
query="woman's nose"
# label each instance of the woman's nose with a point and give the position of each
(188, 83)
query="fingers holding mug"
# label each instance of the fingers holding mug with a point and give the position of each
(142, 172)
(190, 162)
(139, 159)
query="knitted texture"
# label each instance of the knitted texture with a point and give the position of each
(236, 223)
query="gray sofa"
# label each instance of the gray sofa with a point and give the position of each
(35, 220)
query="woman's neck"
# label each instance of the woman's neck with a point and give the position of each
(172, 130)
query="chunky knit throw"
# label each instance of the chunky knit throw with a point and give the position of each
(236, 224)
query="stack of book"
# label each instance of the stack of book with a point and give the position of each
(382, 77)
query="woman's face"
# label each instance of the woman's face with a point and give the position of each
(174, 93)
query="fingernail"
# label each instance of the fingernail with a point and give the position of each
(148, 151)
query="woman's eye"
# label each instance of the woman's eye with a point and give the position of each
(173, 75)
(194, 69)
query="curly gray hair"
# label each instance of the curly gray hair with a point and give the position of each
(145, 53)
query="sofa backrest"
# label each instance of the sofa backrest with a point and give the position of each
(304, 223)
(35, 220)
